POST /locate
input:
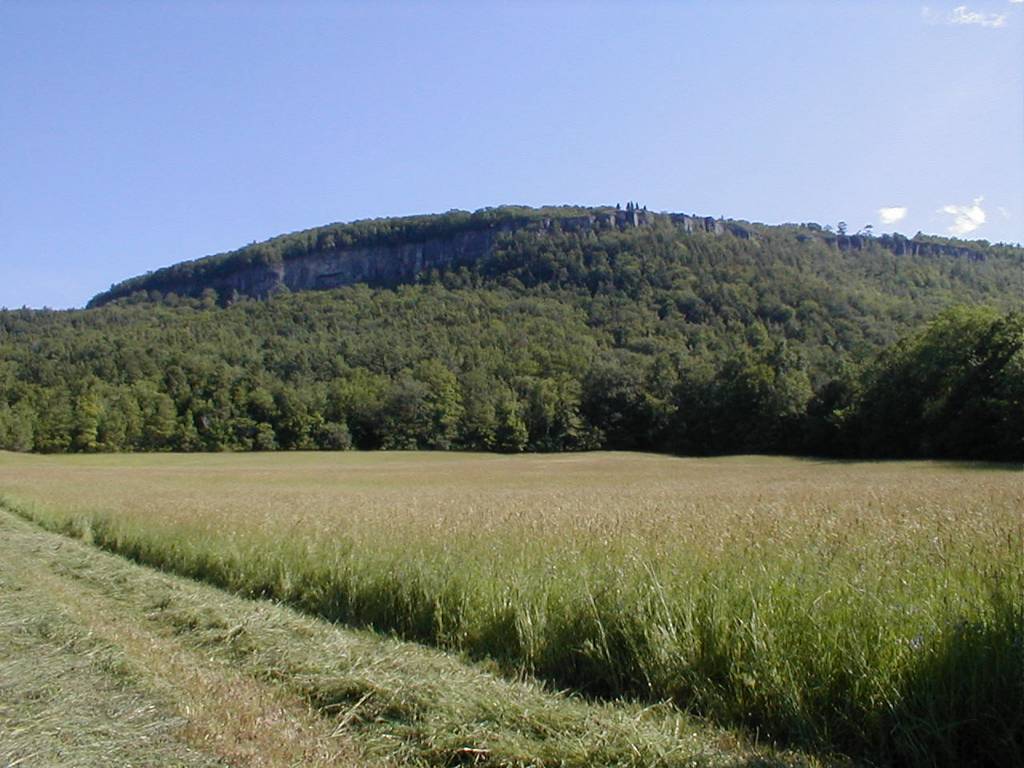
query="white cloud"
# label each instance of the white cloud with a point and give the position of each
(962, 15)
(1002, 211)
(1016, 2)
(893, 214)
(966, 218)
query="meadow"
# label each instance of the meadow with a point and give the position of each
(874, 609)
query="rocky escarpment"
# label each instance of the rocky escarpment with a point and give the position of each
(384, 265)
(901, 246)
(392, 252)
(379, 261)
(259, 277)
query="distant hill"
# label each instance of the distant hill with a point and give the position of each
(539, 329)
(395, 251)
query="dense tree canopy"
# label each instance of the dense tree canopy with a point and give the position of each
(562, 340)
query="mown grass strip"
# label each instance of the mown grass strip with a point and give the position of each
(65, 697)
(85, 683)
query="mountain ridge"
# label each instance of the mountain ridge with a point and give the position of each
(392, 251)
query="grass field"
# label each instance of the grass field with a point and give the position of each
(875, 609)
(107, 663)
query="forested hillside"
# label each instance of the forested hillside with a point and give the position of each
(565, 332)
(600, 248)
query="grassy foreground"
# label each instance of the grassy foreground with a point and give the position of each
(103, 662)
(875, 609)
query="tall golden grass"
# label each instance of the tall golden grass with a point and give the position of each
(871, 608)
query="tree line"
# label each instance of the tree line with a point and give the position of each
(643, 338)
(427, 367)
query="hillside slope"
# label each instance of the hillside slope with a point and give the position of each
(559, 329)
(395, 251)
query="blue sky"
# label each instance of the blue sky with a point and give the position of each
(137, 134)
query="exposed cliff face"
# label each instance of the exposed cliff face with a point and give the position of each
(390, 260)
(381, 265)
(901, 246)
(388, 265)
